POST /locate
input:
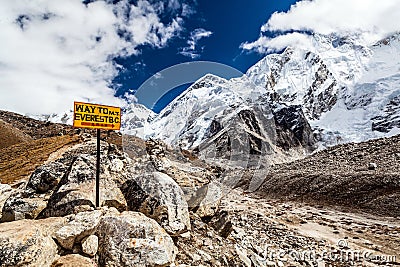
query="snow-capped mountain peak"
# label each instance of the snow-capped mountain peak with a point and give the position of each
(346, 88)
(192, 112)
(135, 117)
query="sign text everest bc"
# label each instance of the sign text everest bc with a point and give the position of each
(95, 116)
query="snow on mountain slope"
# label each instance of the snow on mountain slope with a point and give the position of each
(369, 107)
(297, 77)
(134, 118)
(187, 119)
(65, 118)
(348, 89)
(378, 90)
(313, 80)
(231, 122)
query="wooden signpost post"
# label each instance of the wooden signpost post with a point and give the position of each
(93, 116)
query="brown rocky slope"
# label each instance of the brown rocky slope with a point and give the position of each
(27, 143)
(361, 176)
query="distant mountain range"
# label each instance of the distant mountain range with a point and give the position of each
(340, 90)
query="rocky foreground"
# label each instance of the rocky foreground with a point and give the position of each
(162, 207)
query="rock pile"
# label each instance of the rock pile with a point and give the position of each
(51, 220)
(162, 209)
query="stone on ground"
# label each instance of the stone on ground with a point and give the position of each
(132, 239)
(82, 225)
(158, 196)
(29, 242)
(90, 245)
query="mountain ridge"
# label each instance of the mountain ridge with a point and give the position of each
(346, 89)
(341, 78)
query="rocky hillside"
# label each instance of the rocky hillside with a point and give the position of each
(162, 206)
(359, 176)
(19, 161)
(35, 129)
(27, 143)
(11, 136)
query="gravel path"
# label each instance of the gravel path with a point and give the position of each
(267, 226)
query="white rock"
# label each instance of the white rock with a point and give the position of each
(185, 235)
(90, 245)
(73, 260)
(116, 165)
(132, 239)
(18, 207)
(243, 256)
(84, 224)
(372, 166)
(29, 242)
(5, 193)
(159, 197)
(209, 197)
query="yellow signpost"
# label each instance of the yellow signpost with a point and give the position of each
(93, 116)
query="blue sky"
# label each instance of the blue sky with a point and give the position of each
(229, 22)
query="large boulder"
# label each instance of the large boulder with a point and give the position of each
(76, 190)
(46, 177)
(19, 206)
(30, 201)
(159, 197)
(90, 245)
(81, 225)
(29, 242)
(112, 176)
(206, 200)
(132, 239)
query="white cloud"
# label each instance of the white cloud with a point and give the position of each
(192, 50)
(370, 18)
(187, 10)
(55, 52)
(267, 45)
(174, 4)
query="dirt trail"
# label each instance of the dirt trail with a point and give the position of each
(17, 162)
(361, 231)
(27, 143)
